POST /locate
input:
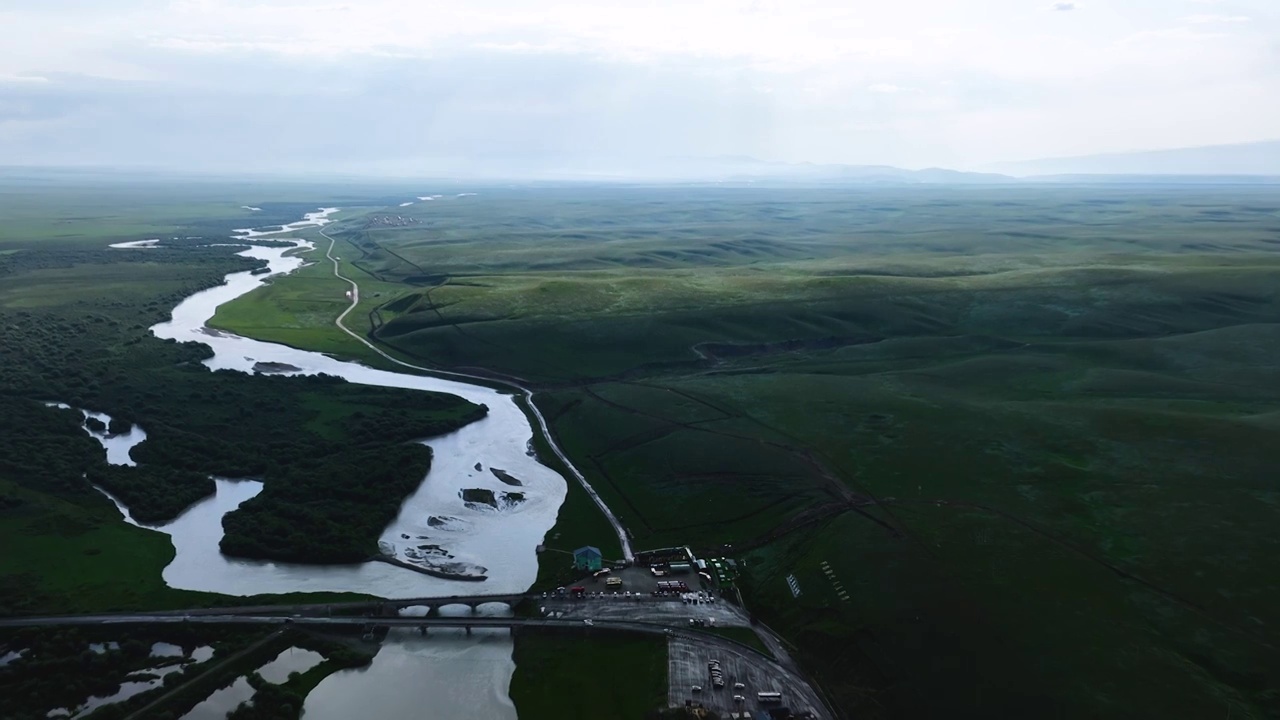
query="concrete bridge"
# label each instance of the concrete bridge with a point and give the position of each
(704, 640)
(392, 608)
(423, 624)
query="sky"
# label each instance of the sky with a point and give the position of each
(530, 86)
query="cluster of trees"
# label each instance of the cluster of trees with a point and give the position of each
(47, 256)
(153, 493)
(327, 510)
(43, 449)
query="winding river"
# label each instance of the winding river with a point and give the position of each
(499, 543)
(468, 677)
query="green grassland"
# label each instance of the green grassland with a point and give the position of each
(301, 312)
(93, 209)
(61, 556)
(1030, 431)
(590, 675)
(99, 214)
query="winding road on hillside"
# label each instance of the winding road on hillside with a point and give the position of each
(624, 540)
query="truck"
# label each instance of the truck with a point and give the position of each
(613, 582)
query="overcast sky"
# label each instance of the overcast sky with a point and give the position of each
(419, 86)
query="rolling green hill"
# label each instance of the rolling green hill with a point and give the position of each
(1016, 445)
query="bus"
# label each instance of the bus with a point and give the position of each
(767, 698)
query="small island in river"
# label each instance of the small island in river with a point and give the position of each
(506, 477)
(267, 368)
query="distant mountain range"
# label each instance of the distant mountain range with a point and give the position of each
(1256, 158)
(744, 169)
(1251, 163)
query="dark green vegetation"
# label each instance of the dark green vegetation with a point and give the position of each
(335, 458)
(743, 635)
(1017, 445)
(60, 669)
(578, 523)
(270, 701)
(154, 494)
(590, 675)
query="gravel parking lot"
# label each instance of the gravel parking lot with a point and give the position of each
(638, 579)
(687, 667)
(644, 609)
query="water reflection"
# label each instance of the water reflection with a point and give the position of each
(290, 660)
(221, 702)
(457, 677)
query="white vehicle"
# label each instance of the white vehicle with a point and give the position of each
(588, 621)
(738, 686)
(696, 688)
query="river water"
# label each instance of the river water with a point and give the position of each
(455, 675)
(445, 674)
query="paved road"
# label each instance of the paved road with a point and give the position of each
(687, 658)
(623, 539)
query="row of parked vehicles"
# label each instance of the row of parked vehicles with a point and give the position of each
(717, 675)
(582, 592)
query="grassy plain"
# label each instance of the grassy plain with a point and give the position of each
(63, 557)
(1015, 444)
(1029, 431)
(586, 676)
(301, 312)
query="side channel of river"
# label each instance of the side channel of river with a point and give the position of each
(456, 676)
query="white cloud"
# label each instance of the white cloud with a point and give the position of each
(791, 79)
(23, 78)
(1215, 19)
